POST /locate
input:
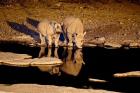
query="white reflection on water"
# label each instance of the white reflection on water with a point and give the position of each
(72, 58)
(72, 62)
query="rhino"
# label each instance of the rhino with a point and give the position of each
(49, 32)
(73, 30)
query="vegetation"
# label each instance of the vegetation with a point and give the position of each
(26, 2)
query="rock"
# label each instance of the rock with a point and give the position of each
(126, 43)
(58, 4)
(13, 59)
(112, 45)
(99, 40)
(18, 63)
(38, 62)
(127, 74)
(47, 64)
(51, 69)
(8, 56)
(46, 61)
(5, 92)
(97, 80)
(134, 45)
(102, 39)
(89, 45)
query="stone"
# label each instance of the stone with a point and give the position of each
(45, 61)
(37, 62)
(97, 80)
(127, 74)
(49, 68)
(14, 59)
(89, 45)
(5, 92)
(134, 45)
(7, 56)
(47, 64)
(112, 45)
(126, 43)
(18, 63)
(98, 40)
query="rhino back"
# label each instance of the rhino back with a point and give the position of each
(74, 25)
(45, 28)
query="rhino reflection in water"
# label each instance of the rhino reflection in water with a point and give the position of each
(73, 61)
(72, 58)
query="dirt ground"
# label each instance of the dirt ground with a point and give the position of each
(35, 88)
(118, 23)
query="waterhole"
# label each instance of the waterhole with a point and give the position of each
(79, 65)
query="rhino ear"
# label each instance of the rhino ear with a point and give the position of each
(84, 33)
(55, 26)
(61, 23)
(58, 28)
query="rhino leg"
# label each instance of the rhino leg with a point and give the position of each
(41, 52)
(69, 39)
(55, 52)
(49, 52)
(42, 48)
(49, 40)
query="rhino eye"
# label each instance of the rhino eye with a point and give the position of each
(57, 27)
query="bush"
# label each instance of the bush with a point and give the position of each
(28, 2)
(49, 2)
(77, 1)
(7, 2)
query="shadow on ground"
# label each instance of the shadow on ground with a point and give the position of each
(33, 22)
(100, 63)
(24, 29)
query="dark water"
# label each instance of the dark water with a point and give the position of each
(100, 63)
